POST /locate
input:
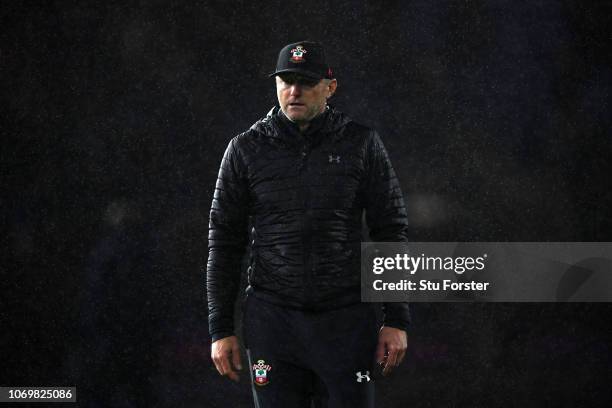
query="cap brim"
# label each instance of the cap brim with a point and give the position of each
(307, 74)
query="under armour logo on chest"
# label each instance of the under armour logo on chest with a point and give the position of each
(333, 159)
(362, 377)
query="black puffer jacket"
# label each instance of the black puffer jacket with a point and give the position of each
(306, 194)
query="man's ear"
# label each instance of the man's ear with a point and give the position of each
(333, 84)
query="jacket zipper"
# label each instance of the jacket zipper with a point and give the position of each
(306, 224)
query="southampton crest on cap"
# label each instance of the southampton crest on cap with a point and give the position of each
(297, 54)
(261, 372)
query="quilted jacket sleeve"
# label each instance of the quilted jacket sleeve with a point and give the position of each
(227, 240)
(385, 215)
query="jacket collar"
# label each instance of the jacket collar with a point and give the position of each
(315, 124)
(275, 124)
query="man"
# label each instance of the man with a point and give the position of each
(305, 174)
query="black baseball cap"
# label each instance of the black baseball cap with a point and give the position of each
(306, 58)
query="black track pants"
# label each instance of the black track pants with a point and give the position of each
(299, 358)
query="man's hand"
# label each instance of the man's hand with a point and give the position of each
(392, 344)
(225, 353)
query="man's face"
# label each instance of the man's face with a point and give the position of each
(302, 98)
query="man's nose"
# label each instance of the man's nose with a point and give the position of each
(295, 89)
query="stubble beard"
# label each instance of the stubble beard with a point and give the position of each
(307, 116)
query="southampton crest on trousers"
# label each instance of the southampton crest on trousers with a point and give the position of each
(261, 370)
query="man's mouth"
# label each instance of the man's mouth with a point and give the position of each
(296, 104)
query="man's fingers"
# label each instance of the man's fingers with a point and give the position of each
(233, 376)
(226, 368)
(226, 355)
(399, 359)
(236, 357)
(391, 360)
(394, 342)
(380, 352)
(218, 367)
(400, 356)
(404, 349)
(216, 359)
(396, 356)
(222, 362)
(225, 364)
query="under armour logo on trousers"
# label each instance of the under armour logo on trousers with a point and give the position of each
(361, 377)
(334, 159)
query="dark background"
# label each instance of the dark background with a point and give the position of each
(114, 120)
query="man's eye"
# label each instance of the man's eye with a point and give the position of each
(307, 82)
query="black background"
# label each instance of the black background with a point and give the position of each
(114, 120)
